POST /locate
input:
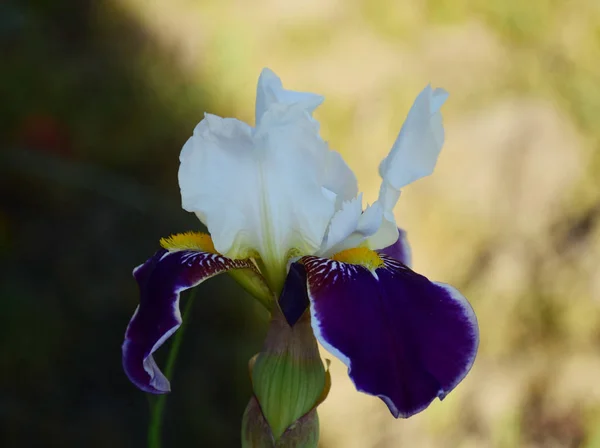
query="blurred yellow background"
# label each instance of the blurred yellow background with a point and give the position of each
(511, 215)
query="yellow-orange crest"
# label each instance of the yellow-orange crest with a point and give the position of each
(360, 255)
(189, 241)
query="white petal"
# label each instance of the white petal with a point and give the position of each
(350, 226)
(413, 156)
(269, 191)
(209, 162)
(340, 179)
(387, 234)
(335, 174)
(371, 219)
(270, 91)
(418, 145)
(259, 192)
(342, 225)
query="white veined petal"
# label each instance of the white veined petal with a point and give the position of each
(277, 191)
(270, 91)
(335, 174)
(259, 192)
(268, 191)
(415, 152)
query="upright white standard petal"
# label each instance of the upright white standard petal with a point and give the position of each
(337, 177)
(419, 143)
(270, 91)
(268, 192)
(413, 155)
(271, 192)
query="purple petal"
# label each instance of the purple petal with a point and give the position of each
(400, 250)
(404, 339)
(161, 279)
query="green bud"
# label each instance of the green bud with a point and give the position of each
(288, 376)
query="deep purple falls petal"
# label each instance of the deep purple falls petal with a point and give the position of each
(400, 250)
(404, 338)
(161, 279)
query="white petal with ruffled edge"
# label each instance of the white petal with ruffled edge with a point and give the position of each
(335, 175)
(259, 193)
(269, 191)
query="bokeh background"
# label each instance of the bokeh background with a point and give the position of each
(96, 100)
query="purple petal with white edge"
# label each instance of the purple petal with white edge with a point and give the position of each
(400, 250)
(161, 279)
(404, 338)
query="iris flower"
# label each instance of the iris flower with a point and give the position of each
(287, 222)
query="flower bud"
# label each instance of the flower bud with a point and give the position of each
(289, 379)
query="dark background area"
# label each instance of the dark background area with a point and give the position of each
(88, 185)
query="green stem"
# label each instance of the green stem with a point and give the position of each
(157, 403)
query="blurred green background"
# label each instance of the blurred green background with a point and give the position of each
(97, 98)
